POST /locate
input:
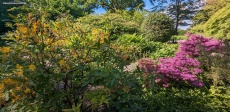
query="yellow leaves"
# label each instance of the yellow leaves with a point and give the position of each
(8, 81)
(13, 93)
(45, 25)
(75, 55)
(99, 35)
(15, 97)
(23, 29)
(1, 89)
(5, 49)
(94, 31)
(25, 43)
(19, 70)
(32, 67)
(27, 91)
(63, 65)
(1, 93)
(18, 88)
(48, 41)
(61, 62)
(19, 67)
(34, 27)
(61, 43)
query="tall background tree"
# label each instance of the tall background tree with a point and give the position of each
(176, 9)
(113, 5)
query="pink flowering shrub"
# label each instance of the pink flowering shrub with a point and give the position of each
(183, 66)
(180, 68)
(195, 43)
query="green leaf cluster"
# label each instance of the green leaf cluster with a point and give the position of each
(157, 27)
(217, 25)
(116, 23)
(116, 5)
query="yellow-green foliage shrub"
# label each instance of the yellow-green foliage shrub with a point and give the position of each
(211, 7)
(115, 23)
(217, 24)
(50, 65)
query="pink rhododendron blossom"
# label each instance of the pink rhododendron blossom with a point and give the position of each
(183, 66)
(195, 43)
(179, 68)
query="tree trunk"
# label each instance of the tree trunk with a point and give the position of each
(178, 10)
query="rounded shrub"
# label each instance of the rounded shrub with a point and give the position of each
(115, 23)
(157, 27)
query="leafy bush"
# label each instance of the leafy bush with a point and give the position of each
(54, 65)
(145, 47)
(183, 66)
(165, 50)
(53, 9)
(115, 23)
(217, 24)
(216, 66)
(211, 7)
(188, 99)
(179, 37)
(157, 27)
(130, 38)
(197, 43)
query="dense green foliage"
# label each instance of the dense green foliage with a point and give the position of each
(54, 8)
(60, 62)
(217, 25)
(212, 6)
(216, 66)
(189, 99)
(164, 50)
(4, 16)
(157, 27)
(178, 10)
(60, 59)
(115, 5)
(116, 23)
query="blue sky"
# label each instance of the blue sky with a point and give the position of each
(147, 6)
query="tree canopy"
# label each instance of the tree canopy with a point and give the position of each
(212, 6)
(177, 9)
(157, 27)
(53, 8)
(217, 23)
(113, 5)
